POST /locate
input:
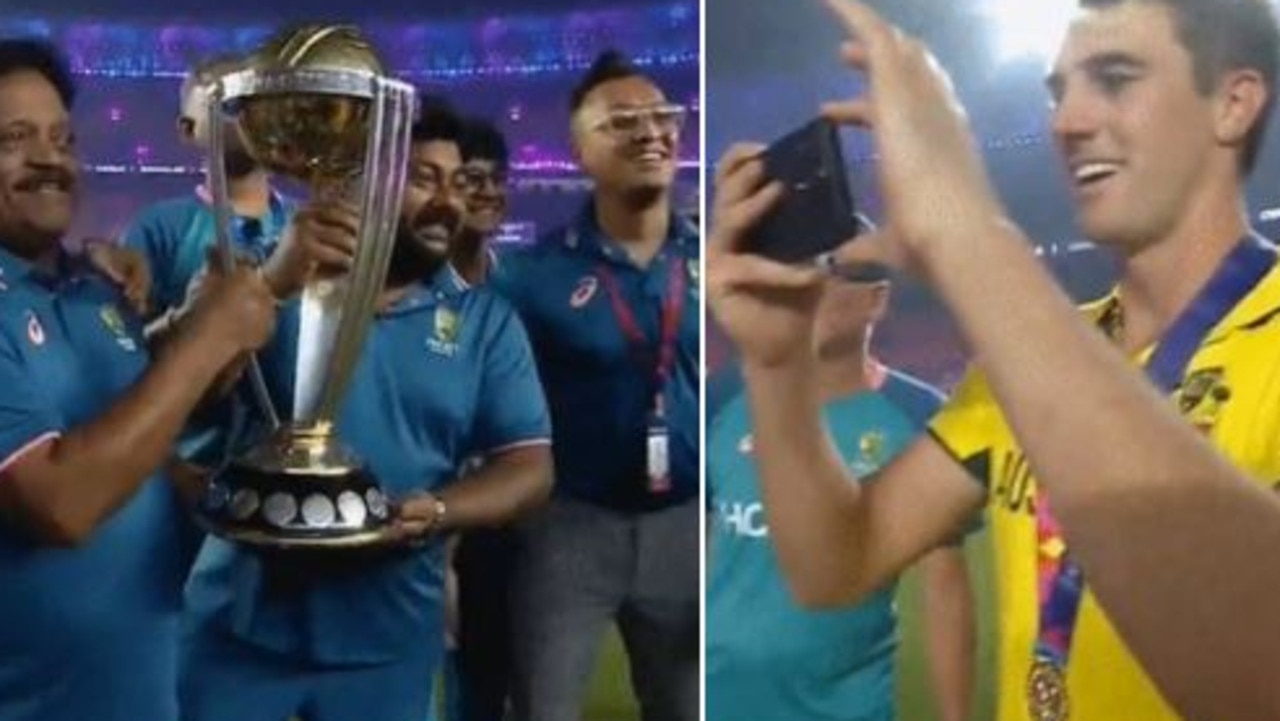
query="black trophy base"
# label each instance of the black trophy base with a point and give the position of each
(275, 510)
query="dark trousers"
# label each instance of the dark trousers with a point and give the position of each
(483, 564)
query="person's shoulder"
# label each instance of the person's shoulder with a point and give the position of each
(176, 208)
(485, 297)
(689, 235)
(532, 264)
(170, 214)
(491, 314)
(917, 399)
(903, 384)
(14, 299)
(723, 389)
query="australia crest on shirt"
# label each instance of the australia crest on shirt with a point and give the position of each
(114, 323)
(1202, 397)
(447, 326)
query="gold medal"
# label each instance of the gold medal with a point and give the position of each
(1047, 691)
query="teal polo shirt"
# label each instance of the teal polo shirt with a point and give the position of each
(766, 657)
(445, 374)
(600, 384)
(176, 234)
(91, 631)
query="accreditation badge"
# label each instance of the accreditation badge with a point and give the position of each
(659, 462)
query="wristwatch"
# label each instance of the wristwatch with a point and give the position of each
(438, 512)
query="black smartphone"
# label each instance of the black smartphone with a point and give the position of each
(816, 213)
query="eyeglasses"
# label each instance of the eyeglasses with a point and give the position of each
(473, 179)
(667, 119)
(462, 181)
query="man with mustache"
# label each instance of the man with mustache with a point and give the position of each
(446, 373)
(1136, 550)
(168, 242)
(88, 523)
(611, 304)
(164, 248)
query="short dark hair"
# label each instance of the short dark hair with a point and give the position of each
(481, 140)
(437, 121)
(608, 66)
(41, 56)
(1221, 36)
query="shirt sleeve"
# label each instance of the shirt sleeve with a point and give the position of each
(512, 409)
(159, 234)
(967, 427)
(26, 417)
(918, 401)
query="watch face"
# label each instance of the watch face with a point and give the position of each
(279, 509)
(351, 508)
(318, 511)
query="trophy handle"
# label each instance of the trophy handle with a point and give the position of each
(382, 188)
(222, 232)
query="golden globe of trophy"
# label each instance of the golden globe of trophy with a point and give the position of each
(314, 105)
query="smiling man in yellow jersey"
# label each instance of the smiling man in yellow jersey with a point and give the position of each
(1138, 123)
(1159, 111)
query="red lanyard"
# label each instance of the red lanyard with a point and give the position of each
(672, 307)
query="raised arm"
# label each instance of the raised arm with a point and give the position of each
(66, 481)
(1168, 513)
(837, 540)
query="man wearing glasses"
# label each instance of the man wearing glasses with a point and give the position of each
(486, 161)
(770, 658)
(611, 305)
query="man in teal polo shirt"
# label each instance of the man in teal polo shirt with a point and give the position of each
(175, 234)
(87, 418)
(769, 658)
(479, 678)
(612, 307)
(446, 374)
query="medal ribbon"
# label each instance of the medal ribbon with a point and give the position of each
(1061, 582)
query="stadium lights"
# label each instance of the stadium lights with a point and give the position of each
(1024, 29)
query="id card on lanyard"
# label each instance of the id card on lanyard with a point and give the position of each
(657, 455)
(1061, 581)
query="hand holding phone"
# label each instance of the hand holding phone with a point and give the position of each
(816, 213)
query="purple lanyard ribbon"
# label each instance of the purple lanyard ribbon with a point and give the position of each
(1061, 581)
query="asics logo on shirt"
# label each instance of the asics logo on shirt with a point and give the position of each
(584, 291)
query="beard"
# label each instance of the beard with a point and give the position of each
(412, 261)
(423, 244)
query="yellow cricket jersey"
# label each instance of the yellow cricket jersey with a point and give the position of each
(1231, 392)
